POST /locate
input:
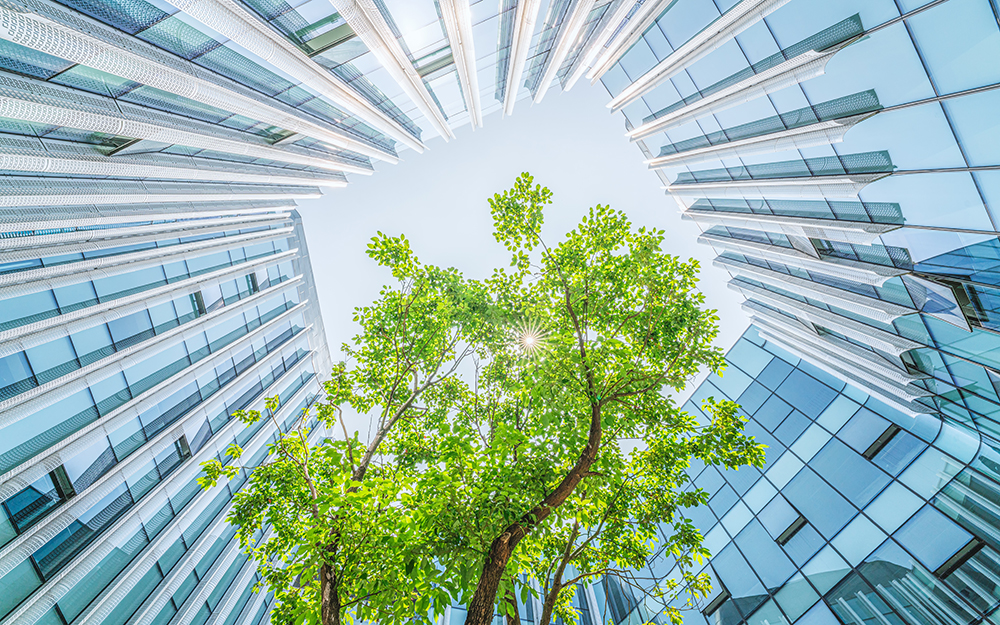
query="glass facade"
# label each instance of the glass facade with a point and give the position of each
(836, 156)
(862, 513)
(127, 344)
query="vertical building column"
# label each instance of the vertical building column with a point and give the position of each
(458, 25)
(367, 22)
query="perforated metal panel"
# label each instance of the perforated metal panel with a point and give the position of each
(19, 154)
(109, 50)
(58, 106)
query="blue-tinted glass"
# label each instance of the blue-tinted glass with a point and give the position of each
(174, 271)
(14, 369)
(804, 544)
(837, 413)
(93, 343)
(20, 265)
(819, 503)
(41, 304)
(858, 539)
(61, 259)
(739, 578)
(932, 537)
(125, 284)
(777, 516)
(722, 501)
(899, 452)
(806, 394)
(709, 480)
(887, 567)
(22, 440)
(774, 373)
(748, 357)
(126, 329)
(852, 475)
(766, 614)
(20, 582)
(210, 261)
(733, 382)
(753, 397)
(143, 374)
(75, 296)
(764, 555)
(862, 430)
(773, 411)
(31, 504)
(25, 60)
(51, 356)
(820, 614)
(163, 316)
(701, 516)
(854, 597)
(761, 436)
(796, 597)
(110, 392)
(953, 37)
(742, 479)
(794, 424)
(703, 392)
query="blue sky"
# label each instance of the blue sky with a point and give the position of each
(570, 143)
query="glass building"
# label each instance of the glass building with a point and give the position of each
(841, 158)
(835, 153)
(862, 514)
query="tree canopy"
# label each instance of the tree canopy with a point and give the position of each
(524, 439)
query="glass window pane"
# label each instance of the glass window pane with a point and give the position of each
(932, 537)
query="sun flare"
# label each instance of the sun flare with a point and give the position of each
(529, 338)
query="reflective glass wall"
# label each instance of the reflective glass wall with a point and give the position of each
(862, 513)
(838, 157)
(130, 335)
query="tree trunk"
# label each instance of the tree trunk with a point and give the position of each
(481, 607)
(513, 616)
(329, 596)
(548, 605)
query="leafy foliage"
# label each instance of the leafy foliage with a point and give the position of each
(494, 470)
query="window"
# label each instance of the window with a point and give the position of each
(15, 375)
(791, 530)
(716, 603)
(27, 309)
(879, 443)
(934, 539)
(131, 329)
(962, 556)
(198, 304)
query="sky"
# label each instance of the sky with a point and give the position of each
(570, 143)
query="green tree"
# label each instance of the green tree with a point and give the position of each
(608, 323)
(610, 525)
(500, 409)
(338, 543)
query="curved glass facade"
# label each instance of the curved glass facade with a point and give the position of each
(837, 157)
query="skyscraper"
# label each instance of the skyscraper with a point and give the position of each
(839, 156)
(861, 513)
(131, 333)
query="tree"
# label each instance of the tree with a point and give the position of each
(500, 410)
(607, 323)
(610, 527)
(338, 541)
